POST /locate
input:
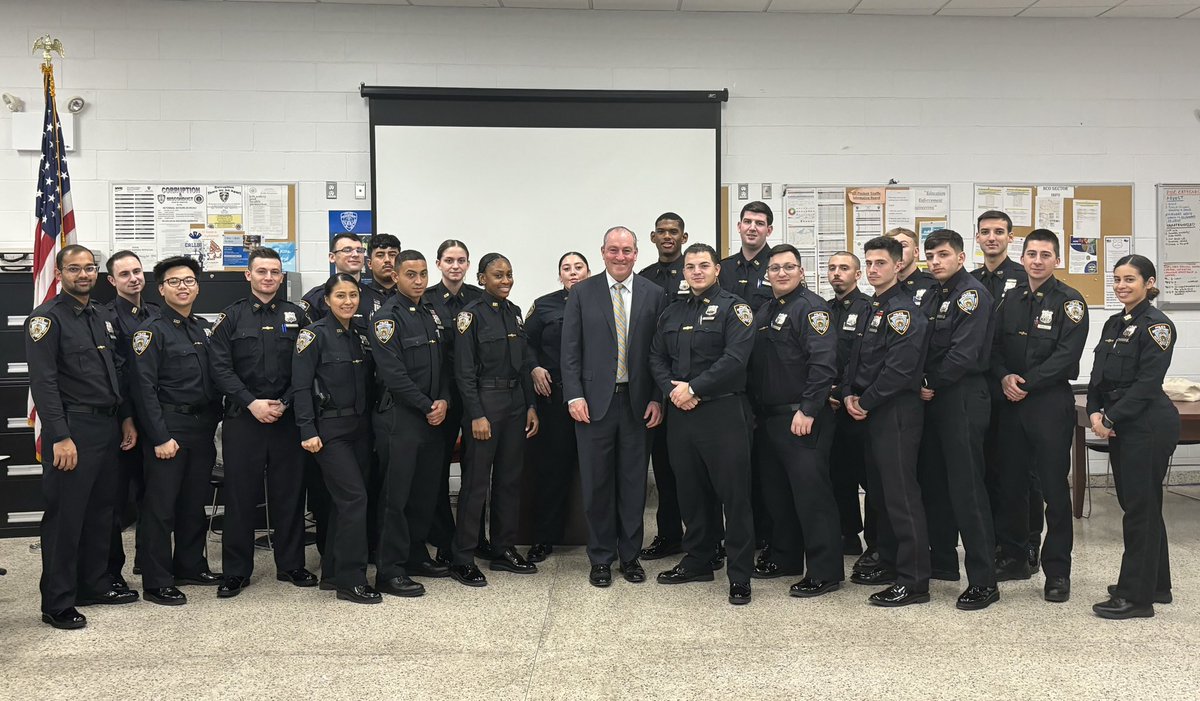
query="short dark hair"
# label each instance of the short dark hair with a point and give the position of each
(888, 244)
(994, 214)
(125, 253)
(71, 250)
(857, 262)
(333, 243)
(408, 255)
(574, 253)
(672, 217)
(162, 266)
(702, 248)
(1042, 235)
(1144, 267)
(382, 241)
(334, 279)
(942, 237)
(489, 258)
(783, 248)
(452, 243)
(263, 252)
(758, 208)
(901, 231)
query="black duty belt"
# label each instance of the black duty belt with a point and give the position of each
(497, 383)
(338, 413)
(714, 397)
(778, 409)
(97, 410)
(190, 409)
(621, 388)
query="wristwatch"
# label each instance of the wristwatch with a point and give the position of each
(691, 391)
(1105, 421)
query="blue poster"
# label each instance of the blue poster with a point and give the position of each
(353, 221)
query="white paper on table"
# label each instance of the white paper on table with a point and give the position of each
(1018, 205)
(898, 209)
(1115, 247)
(1085, 218)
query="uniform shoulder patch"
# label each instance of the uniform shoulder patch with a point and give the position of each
(744, 314)
(819, 321)
(305, 306)
(304, 339)
(1074, 310)
(1161, 333)
(532, 309)
(384, 328)
(463, 321)
(38, 326)
(141, 341)
(968, 301)
(899, 321)
(220, 318)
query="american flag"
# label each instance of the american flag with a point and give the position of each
(55, 226)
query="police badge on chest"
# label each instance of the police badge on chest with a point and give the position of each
(1046, 320)
(710, 313)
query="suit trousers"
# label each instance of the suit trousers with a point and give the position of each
(176, 491)
(498, 463)
(344, 461)
(613, 452)
(410, 455)
(253, 450)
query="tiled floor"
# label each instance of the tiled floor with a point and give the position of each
(551, 636)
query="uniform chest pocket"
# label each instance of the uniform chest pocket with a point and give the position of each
(788, 348)
(78, 356)
(943, 331)
(182, 357)
(411, 343)
(708, 336)
(245, 343)
(1119, 361)
(671, 340)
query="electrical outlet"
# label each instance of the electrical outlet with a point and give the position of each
(766, 191)
(360, 191)
(743, 191)
(330, 190)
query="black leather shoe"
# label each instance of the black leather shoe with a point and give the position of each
(300, 577)
(633, 571)
(511, 561)
(660, 548)
(945, 575)
(204, 579)
(808, 588)
(718, 559)
(468, 575)
(868, 561)
(1118, 609)
(898, 595)
(427, 568)
(770, 570)
(1033, 556)
(1010, 569)
(484, 550)
(875, 577)
(111, 597)
(851, 545)
(361, 594)
(232, 586)
(1057, 589)
(443, 558)
(119, 583)
(327, 585)
(396, 586)
(1160, 597)
(538, 552)
(678, 575)
(600, 576)
(977, 598)
(739, 594)
(166, 596)
(67, 619)
(764, 555)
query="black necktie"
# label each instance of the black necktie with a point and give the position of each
(92, 321)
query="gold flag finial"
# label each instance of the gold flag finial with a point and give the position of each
(47, 45)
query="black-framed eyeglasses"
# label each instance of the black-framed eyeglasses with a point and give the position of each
(351, 251)
(76, 269)
(177, 281)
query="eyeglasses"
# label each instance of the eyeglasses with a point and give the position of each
(786, 267)
(177, 281)
(351, 251)
(76, 269)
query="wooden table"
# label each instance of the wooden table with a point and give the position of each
(1189, 417)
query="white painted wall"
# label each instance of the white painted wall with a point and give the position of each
(190, 90)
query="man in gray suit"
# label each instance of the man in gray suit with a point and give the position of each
(608, 324)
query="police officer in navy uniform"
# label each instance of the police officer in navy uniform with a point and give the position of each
(76, 379)
(382, 250)
(251, 353)
(493, 365)
(554, 453)
(792, 370)
(957, 409)
(849, 308)
(669, 237)
(332, 377)
(881, 387)
(698, 358)
(127, 278)
(1126, 404)
(914, 281)
(179, 406)
(1041, 330)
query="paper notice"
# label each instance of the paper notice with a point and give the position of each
(1015, 248)
(1181, 281)
(225, 207)
(800, 223)
(1018, 205)
(1181, 234)
(1114, 248)
(930, 202)
(1064, 191)
(178, 210)
(1085, 218)
(1050, 216)
(266, 211)
(898, 209)
(1085, 256)
(928, 227)
(867, 195)
(988, 197)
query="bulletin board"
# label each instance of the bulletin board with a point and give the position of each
(1179, 246)
(216, 223)
(1094, 223)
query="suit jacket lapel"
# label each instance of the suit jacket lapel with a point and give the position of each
(612, 322)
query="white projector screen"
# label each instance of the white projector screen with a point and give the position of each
(536, 193)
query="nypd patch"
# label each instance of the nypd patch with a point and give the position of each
(463, 321)
(220, 318)
(38, 326)
(744, 314)
(305, 306)
(1074, 310)
(141, 341)
(900, 321)
(384, 328)
(1161, 333)
(304, 340)
(968, 301)
(819, 321)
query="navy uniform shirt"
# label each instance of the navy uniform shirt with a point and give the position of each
(372, 297)
(544, 325)
(130, 318)
(706, 341)
(492, 346)
(251, 349)
(889, 356)
(313, 303)
(960, 337)
(668, 276)
(1005, 277)
(448, 306)
(171, 367)
(849, 317)
(747, 278)
(1040, 335)
(1131, 362)
(408, 342)
(73, 361)
(795, 352)
(918, 285)
(331, 374)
